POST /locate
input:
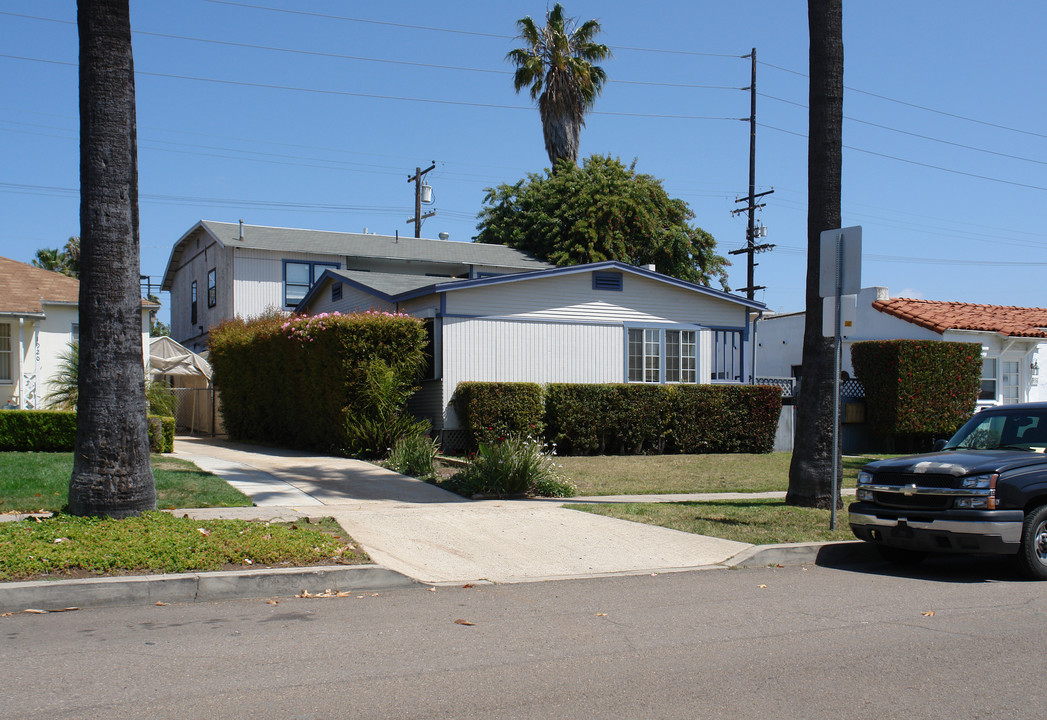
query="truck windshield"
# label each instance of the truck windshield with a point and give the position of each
(999, 429)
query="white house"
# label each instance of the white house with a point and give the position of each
(219, 271)
(605, 322)
(39, 318)
(1013, 339)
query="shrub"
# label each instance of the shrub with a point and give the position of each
(317, 382)
(55, 431)
(916, 389)
(725, 418)
(492, 410)
(414, 455)
(161, 398)
(514, 466)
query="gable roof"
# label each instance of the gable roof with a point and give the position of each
(398, 288)
(24, 288)
(386, 247)
(941, 316)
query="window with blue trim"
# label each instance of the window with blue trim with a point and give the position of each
(299, 276)
(657, 355)
(727, 356)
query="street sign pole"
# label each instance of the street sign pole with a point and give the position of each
(844, 247)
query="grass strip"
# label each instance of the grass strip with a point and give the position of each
(34, 481)
(759, 522)
(657, 474)
(157, 542)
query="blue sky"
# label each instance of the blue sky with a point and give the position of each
(314, 116)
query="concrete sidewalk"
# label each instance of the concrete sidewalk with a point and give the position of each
(415, 533)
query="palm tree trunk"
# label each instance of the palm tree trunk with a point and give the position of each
(111, 473)
(810, 473)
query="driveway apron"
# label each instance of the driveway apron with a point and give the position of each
(434, 536)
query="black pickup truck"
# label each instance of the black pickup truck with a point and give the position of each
(984, 491)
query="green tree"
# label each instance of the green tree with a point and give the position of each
(600, 211)
(810, 471)
(111, 473)
(65, 261)
(64, 384)
(556, 65)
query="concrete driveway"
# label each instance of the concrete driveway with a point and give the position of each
(434, 536)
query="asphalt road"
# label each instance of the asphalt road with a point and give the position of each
(956, 639)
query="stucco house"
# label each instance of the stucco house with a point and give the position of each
(605, 322)
(219, 271)
(39, 318)
(1013, 339)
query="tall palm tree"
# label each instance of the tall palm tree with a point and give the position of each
(810, 472)
(111, 473)
(557, 66)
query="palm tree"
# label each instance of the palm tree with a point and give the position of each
(557, 66)
(65, 384)
(111, 474)
(810, 472)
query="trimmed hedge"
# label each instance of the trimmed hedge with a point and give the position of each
(55, 431)
(632, 418)
(490, 411)
(917, 388)
(309, 382)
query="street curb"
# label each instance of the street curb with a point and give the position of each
(815, 553)
(196, 587)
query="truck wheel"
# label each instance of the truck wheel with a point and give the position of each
(1032, 557)
(900, 556)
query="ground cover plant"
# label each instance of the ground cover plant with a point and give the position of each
(32, 481)
(656, 474)
(759, 522)
(157, 542)
(513, 466)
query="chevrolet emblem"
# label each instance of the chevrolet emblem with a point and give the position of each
(909, 490)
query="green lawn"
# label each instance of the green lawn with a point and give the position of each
(157, 542)
(760, 522)
(643, 474)
(32, 481)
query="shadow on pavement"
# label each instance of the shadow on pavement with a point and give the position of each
(862, 557)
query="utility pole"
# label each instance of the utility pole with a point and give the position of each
(418, 217)
(751, 248)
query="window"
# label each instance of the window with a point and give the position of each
(299, 276)
(1009, 383)
(651, 349)
(212, 288)
(74, 332)
(192, 300)
(988, 379)
(607, 281)
(5, 352)
(727, 353)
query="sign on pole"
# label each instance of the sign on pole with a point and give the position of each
(839, 274)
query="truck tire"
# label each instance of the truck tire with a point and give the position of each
(1032, 556)
(900, 556)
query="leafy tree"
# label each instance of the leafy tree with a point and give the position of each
(810, 471)
(65, 261)
(556, 65)
(600, 211)
(111, 474)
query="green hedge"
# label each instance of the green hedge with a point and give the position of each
(311, 382)
(493, 410)
(55, 431)
(631, 418)
(918, 388)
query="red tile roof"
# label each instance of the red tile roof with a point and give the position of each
(941, 316)
(24, 288)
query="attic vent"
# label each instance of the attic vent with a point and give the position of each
(336, 291)
(607, 281)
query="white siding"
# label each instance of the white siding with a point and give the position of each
(353, 300)
(571, 297)
(259, 279)
(520, 351)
